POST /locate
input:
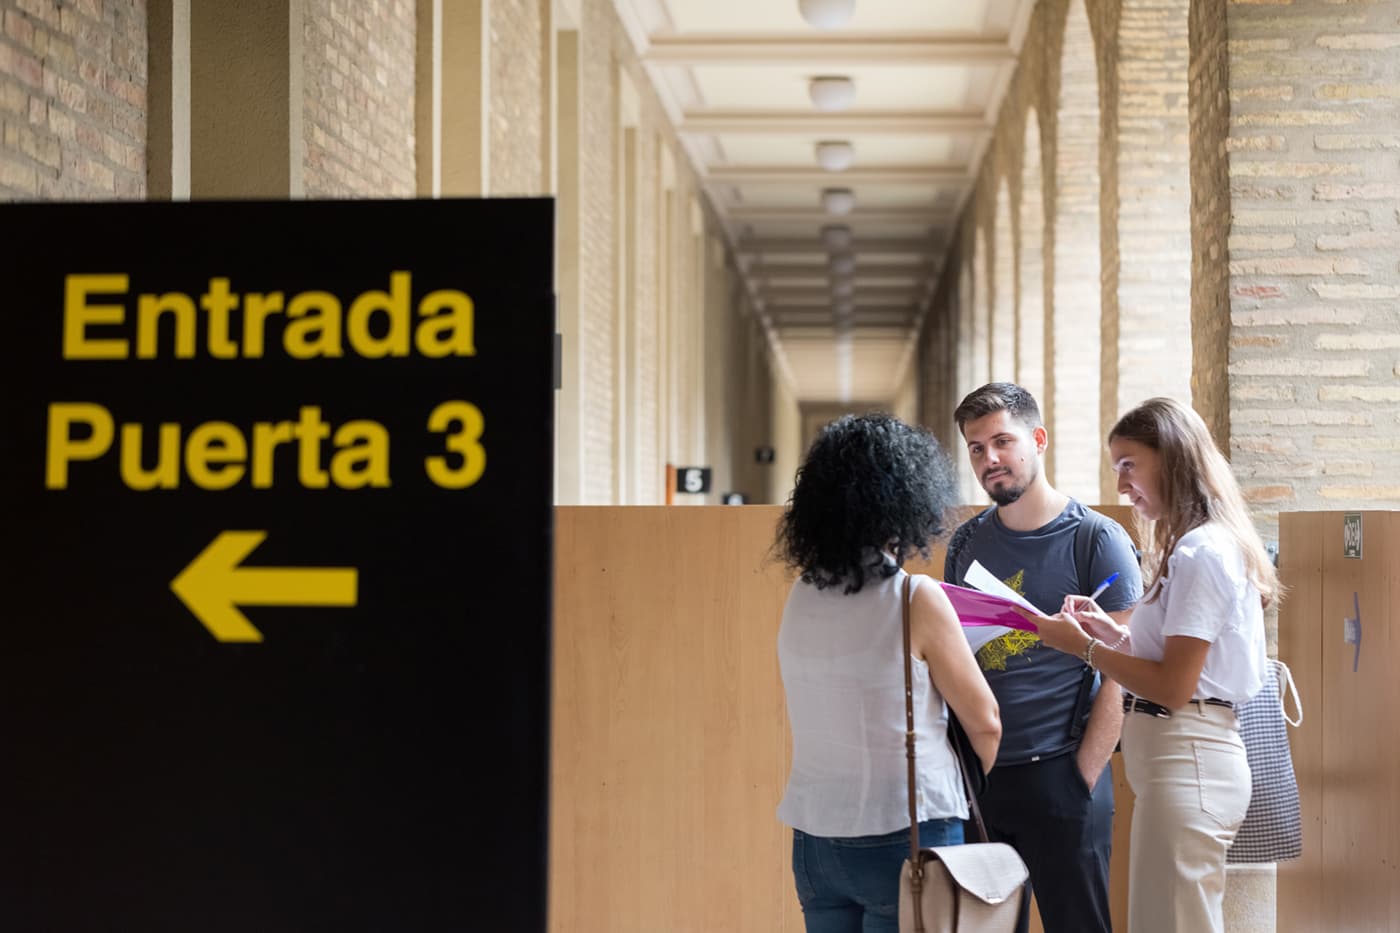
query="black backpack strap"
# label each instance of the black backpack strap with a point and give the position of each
(960, 538)
(1084, 537)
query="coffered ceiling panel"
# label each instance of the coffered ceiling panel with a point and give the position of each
(748, 16)
(871, 151)
(900, 87)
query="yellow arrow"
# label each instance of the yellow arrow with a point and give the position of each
(213, 586)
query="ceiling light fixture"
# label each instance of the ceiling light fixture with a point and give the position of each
(843, 264)
(843, 289)
(835, 155)
(838, 200)
(836, 237)
(832, 92)
(827, 14)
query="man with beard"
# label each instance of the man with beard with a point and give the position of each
(1051, 793)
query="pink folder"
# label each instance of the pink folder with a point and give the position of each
(975, 607)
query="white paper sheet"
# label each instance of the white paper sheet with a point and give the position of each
(980, 578)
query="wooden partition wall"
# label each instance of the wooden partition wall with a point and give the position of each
(670, 741)
(1347, 752)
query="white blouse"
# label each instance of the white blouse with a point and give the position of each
(842, 659)
(1207, 594)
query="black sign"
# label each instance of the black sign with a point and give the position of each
(693, 479)
(276, 483)
(763, 455)
(734, 498)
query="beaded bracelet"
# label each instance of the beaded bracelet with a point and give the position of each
(1089, 652)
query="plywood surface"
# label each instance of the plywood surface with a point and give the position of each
(1299, 904)
(670, 742)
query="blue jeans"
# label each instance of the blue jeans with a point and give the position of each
(851, 885)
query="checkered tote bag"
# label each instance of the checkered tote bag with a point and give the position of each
(1273, 826)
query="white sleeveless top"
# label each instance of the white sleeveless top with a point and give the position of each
(842, 659)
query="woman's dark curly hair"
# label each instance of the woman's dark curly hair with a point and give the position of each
(868, 483)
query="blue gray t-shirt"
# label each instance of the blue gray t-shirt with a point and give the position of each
(1038, 687)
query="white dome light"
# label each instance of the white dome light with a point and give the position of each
(843, 289)
(843, 264)
(835, 155)
(832, 92)
(827, 14)
(843, 307)
(836, 237)
(838, 200)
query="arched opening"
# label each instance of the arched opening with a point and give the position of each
(981, 310)
(1030, 305)
(969, 376)
(1073, 394)
(1003, 290)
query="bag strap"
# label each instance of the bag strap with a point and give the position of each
(1285, 687)
(916, 866)
(973, 807)
(909, 738)
(1084, 534)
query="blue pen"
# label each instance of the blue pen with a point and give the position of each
(1103, 586)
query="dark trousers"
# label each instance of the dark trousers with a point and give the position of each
(1063, 832)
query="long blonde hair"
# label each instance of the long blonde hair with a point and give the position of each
(1196, 487)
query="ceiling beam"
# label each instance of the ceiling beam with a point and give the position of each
(816, 333)
(860, 318)
(876, 294)
(748, 213)
(836, 125)
(868, 246)
(824, 307)
(871, 48)
(917, 269)
(810, 175)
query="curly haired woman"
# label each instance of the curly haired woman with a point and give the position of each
(871, 492)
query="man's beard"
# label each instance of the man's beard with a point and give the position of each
(1010, 492)
(1005, 495)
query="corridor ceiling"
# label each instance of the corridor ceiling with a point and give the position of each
(929, 76)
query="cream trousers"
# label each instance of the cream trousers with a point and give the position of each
(1192, 785)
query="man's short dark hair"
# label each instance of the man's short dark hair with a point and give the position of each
(1000, 396)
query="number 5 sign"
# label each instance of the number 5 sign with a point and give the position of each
(692, 479)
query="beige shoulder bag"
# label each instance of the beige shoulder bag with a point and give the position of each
(972, 888)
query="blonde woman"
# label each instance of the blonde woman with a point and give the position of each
(1192, 651)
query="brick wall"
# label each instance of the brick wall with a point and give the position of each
(597, 178)
(1152, 353)
(1209, 115)
(358, 91)
(1314, 356)
(72, 99)
(518, 98)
